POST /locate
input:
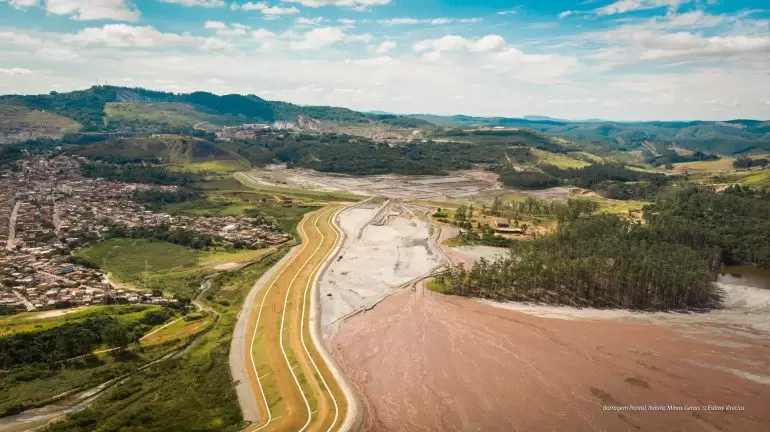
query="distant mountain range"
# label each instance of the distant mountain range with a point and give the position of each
(109, 108)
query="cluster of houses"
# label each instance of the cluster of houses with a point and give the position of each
(242, 132)
(47, 209)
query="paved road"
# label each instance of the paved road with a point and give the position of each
(12, 225)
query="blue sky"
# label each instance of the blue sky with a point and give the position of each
(624, 59)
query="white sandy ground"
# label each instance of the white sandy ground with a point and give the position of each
(373, 261)
(490, 253)
(744, 306)
(53, 313)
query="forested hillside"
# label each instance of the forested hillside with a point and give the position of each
(91, 109)
(729, 137)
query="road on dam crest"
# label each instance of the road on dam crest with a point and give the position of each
(290, 378)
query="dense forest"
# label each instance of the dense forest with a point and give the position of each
(736, 222)
(613, 180)
(670, 157)
(155, 199)
(73, 339)
(360, 156)
(747, 162)
(595, 261)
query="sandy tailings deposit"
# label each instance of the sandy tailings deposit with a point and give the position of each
(385, 246)
(427, 362)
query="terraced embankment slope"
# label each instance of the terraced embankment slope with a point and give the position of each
(294, 386)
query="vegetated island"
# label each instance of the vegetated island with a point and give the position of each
(668, 262)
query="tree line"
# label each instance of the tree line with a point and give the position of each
(138, 174)
(594, 261)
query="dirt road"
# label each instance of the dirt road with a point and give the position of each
(296, 388)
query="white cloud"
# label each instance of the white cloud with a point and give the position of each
(23, 4)
(455, 43)
(85, 10)
(126, 36)
(200, 3)
(215, 25)
(56, 54)
(322, 37)
(430, 21)
(372, 62)
(489, 43)
(227, 30)
(15, 71)
(265, 9)
(565, 14)
(302, 21)
(217, 45)
(19, 39)
(262, 35)
(624, 6)
(383, 48)
(216, 81)
(341, 3)
(508, 12)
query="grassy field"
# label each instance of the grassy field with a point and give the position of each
(215, 166)
(36, 321)
(190, 393)
(171, 268)
(171, 115)
(559, 160)
(18, 123)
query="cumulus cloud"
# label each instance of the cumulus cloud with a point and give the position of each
(265, 9)
(217, 45)
(430, 21)
(23, 4)
(372, 62)
(383, 48)
(199, 3)
(624, 6)
(15, 71)
(302, 21)
(85, 10)
(13, 38)
(326, 36)
(455, 43)
(565, 14)
(126, 36)
(360, 4)
(216, 25)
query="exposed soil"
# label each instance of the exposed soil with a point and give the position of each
(428, 362)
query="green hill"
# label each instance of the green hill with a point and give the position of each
(730, 137)
(108, 108)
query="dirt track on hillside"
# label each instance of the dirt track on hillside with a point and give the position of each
(428, 362)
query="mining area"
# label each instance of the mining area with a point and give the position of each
(423, 361)
(386, 246)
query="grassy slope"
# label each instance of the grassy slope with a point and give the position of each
(172, 115)
(27, 386)
(191, 393)
(18, 123)
(171, 267)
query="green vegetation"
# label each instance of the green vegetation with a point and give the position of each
(169, 267)
(41, 358)
(137, 174)
(747, 162)
(597, 261)
(355, 155)
(191, 393)
(670, 157)
(735, 222)
(154, 149)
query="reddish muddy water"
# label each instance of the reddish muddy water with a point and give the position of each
(428, 362)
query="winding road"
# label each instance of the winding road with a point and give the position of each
(291, 376)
